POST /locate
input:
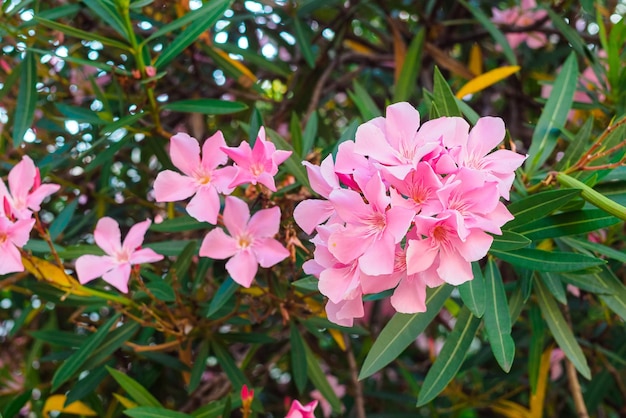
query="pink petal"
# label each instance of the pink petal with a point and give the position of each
(280, 156)
(410, 295)
(340, 283)
(242, 176)
(136, 235)
(241, 155)
(118, 277)
(89, 267)
(10, 259)
(402, 123)
(268, 252)
(185, 153)
(145, 255)
(398, 222)
(350, 206)
(38, 195)
(223, 177)
(205, 205)
(476, 245)
(108, 235)
(453, 268)
(236, 215)
(311, 213)
(19, 232)
(266, 179)
(348, 244)
(218, 245)
(22, 179)
(419, 255)
(379, 258)
(370, 141)
(343, 313)
(242, 267)
(212, 154)
(170, 186)
(485, 135)
(265, 223)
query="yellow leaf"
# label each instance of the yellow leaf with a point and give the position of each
(55, 275)
(252, 290)
(538, 398)
(358, 47)
(338, 337)
(399, 51)
(247, 77)
(509, 409)
(475, 60)
(485, 80)
(56, 402)
(126, 403)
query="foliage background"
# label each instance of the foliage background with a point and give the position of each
(93, 90)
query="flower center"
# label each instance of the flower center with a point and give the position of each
(122, 257)
(3, 237)
(377, 222)
(257, 169)
(419, 194)
(440, 234)
(203, 177)
(244, 241)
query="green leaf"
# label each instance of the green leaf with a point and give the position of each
(496, 34)
(123, 122)
(161, 290)
(201, 13)
(292, 164)
(444, 98)
(307, 284)
(179, 224)
(548, 260)
(537, 206)
(553, 116)
(577, 146)
(225, 360)
(62, 220)
(199, 366)
(153, 412)
(298, 358)
(309, 135)
(572, 35)
(537, 337)
(509, 240)
(223, 295)
(79, 357)
(212, 11)
(206, 106)
(114, 341)
(211, 410)
(253, 57)
(401, 331)
(81, 34)
(183, 262)
(303, 39)
(451, 357)
(607, 252)
(80, 114)
(363, 101)
(318, 377)
(110, 14)
(296, 133)
(57, 337)
(568, 223)
(616, 297)
(26, 98)
(138, 393)
(13, 408)
(406, 84)
(86, 385)
(497, 318)
(169, 248)
(560, 330)
(554, 285)
(587, 282)
(473, 292)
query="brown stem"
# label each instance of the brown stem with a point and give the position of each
(359, 402)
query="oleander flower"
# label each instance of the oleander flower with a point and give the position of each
(13, 235)
(297, 410)
(526, 14)
(115, 266)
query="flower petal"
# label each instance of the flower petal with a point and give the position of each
(242, 267)
(108, 236)
(22, 179)
(10, 259)
(218, 245)
(205, 205)
(145, 255)
(118, 277)
(236, 215)
(89, 267)
(34, 199)
(410, 295)
(135, 235)
(265, 223)
(212, 155)
(171, 186)
(312, 212)
(185, 153)
(269, 252)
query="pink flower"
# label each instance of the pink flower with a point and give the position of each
(521, 16)
(115, 266)
(250, 242)
(339, 389)
(258, 164)
(298, 410)
(13, 235)
(25, 192)
(202, 179)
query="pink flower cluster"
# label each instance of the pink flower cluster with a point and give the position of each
(19, 202)
(405, 206)
(526, 14)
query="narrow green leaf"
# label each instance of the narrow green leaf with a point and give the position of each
(253, 57)
(577, 146)
(110, 14)
(76, 360)
(616, 298)
(572, 35)
(296, 133)
(62, 220)
(81, 34)
(204, 12)
(169, 248)
(298, 358)
(553, 116)
(113, 342)
(473, 292)
(161, 290)
(228, 365)
(318, 377)
(553, 283)
(214, 10)
(406, 84)
(211, 410)
(123, 122)
(509, 240)
(568, 223)
(537, 206)
(58, 337)
(183, 262)
(293, 164)
(199, 366)
(601, 249)
(137, 393)
(13, 408)
(112, 69)
(496, 34)
(497, 318)
(451, 357)
(560, 330)
(223, 294)
(587, 282)
(363, 101)
(86, 385)
(444, 98)
(26, 98)
(401, 331)
(537, 337)
(179, 224)
(303, 39)
(307, 284)
(154, 412)
(206, 106)
(548, 260)
(309, 135)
